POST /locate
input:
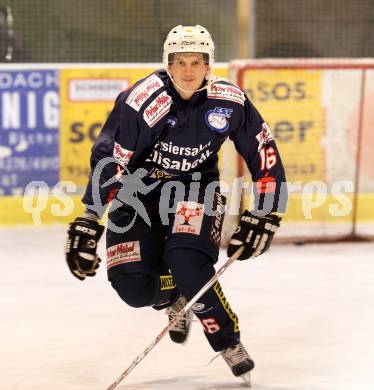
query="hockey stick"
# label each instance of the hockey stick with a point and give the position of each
(205, 288)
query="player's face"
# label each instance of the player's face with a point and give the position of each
(188, 71)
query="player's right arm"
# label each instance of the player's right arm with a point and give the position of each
(111, 152)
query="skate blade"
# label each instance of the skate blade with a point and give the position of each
(247, 378)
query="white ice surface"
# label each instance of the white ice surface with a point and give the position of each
(306, 316)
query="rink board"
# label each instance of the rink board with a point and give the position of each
(54, 114)
(320, 113)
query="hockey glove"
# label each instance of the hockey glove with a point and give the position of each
(81, 245)
(254, 233)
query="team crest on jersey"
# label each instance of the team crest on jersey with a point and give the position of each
(264, 136)
(143, 91)
(188, 218)
(157, 109)
(216, 119)
(171, 121)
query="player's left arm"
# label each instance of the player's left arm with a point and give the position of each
(255, 143)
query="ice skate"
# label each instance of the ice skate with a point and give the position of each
(239, 361)
(179, 332)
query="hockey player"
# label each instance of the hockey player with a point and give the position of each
(156, 160)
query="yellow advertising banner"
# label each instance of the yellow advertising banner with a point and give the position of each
(87, 97)
(290, 102)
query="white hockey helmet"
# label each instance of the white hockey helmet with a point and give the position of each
(188, 39)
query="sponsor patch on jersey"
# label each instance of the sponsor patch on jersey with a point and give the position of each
(188, 218)
(125, 252)
(121, 154)
(264, 136)
(226, 92)
(157, 109)
(157, 173)
(216, 119)
(143, 91)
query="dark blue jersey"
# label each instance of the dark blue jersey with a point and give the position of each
(152, 127)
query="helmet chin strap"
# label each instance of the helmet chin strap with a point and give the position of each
(209, 81)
